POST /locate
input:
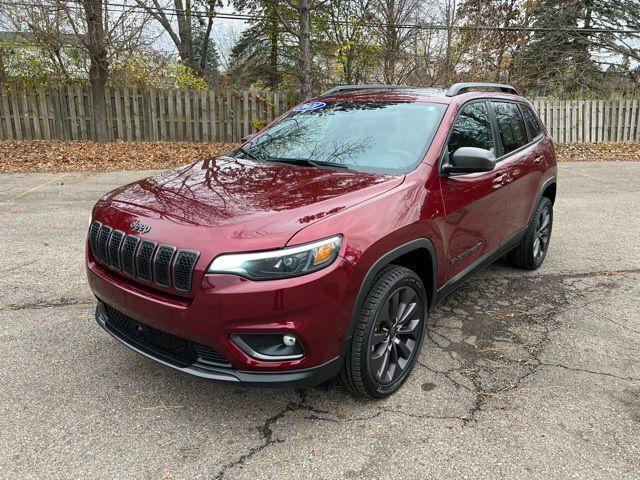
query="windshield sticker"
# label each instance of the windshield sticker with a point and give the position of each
(305, 107)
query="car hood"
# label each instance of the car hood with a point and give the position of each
(239, 202)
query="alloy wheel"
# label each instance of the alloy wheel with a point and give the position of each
(542, 234)
(396, 333)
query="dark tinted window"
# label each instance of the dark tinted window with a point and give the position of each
(511, 126)
(472, 129)
(532, 121)
(378, 136)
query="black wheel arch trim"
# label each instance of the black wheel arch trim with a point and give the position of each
(378, 265)
(546, 184)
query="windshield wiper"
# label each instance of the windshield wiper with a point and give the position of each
(308, 162)
(248, 154)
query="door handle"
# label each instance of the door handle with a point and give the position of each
(499, 180)
(538, 160)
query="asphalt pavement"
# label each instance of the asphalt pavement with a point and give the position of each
(524, 375)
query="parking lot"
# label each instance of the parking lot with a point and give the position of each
(523, 375)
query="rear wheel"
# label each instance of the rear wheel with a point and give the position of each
(531, 252)
(388, 334)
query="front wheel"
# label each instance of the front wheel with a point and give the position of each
(531, 252)
(388, 334)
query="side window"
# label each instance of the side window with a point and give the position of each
(472, 129)
(532, 121)
(511, 126)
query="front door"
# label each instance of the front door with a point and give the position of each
(475, 203)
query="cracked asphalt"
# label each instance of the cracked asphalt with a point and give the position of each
(524, 375)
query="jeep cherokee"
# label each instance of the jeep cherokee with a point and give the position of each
(317, 248)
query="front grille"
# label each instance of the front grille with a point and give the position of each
(143, 259)
(178, 349)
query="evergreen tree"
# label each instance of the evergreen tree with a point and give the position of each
(205, 56)
(559, 54)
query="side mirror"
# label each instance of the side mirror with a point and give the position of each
(470, 160)
(247, 138)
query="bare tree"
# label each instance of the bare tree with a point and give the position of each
(61, 28)
(492, 54)
(96, 43)
(353, 47)
(396, 37)
(225, 39)
(103, 36)
(187, 14)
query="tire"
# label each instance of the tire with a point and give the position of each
(363, 372)
(532, 251)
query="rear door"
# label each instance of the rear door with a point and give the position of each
(521, 154)
(475, 203)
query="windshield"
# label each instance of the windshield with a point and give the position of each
(372, 136)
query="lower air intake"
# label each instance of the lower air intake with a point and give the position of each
(177, 349)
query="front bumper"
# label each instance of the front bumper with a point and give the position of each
(315, 308)
(302, 378)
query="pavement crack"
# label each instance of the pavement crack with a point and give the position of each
(592, 372)
(267, 434)
(422, 415)
(447, 375)
(611, 320)
(61, 302)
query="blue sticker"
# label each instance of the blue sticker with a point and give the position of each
(305, 107)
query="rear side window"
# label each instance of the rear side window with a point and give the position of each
(472, 129)
(532, 121)
(511, 126)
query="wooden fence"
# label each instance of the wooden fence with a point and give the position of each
(193, 115)
(137, 114)
(590, 120)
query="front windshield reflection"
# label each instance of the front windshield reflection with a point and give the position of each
(376, 136)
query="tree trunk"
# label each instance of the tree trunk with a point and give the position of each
(304, 60)
(451, 11)
(2, 74)
(274, 77)
(98, 70)
(205, 47)
(183, 18)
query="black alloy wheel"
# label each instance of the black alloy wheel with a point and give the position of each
(532, 250)
(388, 334)
(543, 232)
(396, 334)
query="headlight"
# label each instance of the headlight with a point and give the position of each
(283, 263)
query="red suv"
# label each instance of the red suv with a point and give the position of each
(317, 248)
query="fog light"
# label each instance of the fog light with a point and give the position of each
(269, 346)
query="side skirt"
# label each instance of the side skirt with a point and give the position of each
(483, 262)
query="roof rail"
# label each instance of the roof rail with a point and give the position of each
(459, 88)
(355, 88)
